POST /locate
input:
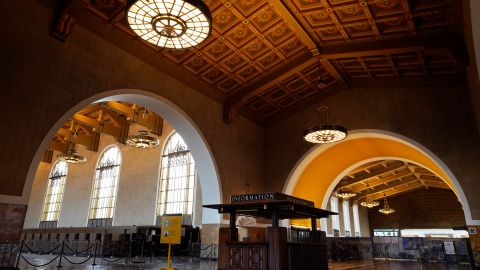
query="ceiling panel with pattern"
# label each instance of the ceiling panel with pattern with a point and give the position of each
(266, 56)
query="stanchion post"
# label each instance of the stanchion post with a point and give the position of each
(142, 258)
(129, 251)
(19, 254)
(61, 255)
(169, 253)
(95, 254)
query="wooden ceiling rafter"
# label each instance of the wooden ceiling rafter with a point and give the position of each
(112, 118)
(374, 174)
(390, 177)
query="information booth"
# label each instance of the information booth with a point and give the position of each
(270, 248)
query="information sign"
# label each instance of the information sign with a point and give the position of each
(171, 229)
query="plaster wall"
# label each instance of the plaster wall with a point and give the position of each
(420, 209)
(44, 78)
(137, 186)
(438, 117)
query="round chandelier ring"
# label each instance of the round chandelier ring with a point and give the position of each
(370, 203)
(72, 158)
(178, 24)
(142, 140)
(325, 134)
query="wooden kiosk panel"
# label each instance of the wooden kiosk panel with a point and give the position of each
(275, 253)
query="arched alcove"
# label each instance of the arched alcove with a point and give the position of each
(206, 167)
(318, 172)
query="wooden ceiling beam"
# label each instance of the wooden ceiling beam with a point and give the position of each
(376, 173)
(402, 183)
(119, 107)
(80, 118)
(399, 190)
(407, 82)
(330, 68)
(446, 39)
(381, 181)
(236, 100)
(290, 19)
(57, 146)
(366, 167)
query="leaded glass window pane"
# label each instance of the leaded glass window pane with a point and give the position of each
(54, 194)
(105, 184)
(176, 188)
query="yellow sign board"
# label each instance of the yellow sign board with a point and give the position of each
(171, 229)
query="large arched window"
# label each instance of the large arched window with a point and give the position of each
(54, 195)
(177, 180)
(104, 191)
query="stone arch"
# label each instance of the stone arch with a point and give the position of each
(206, 166)
(318, 172)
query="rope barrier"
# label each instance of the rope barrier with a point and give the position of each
(77, 263)
(113, 248)
(40, 265)
(40, 252)
(79, 252)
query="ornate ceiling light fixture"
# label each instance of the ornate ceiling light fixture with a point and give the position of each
(324, 133)
(368, 201)
(344, 192)
(70, 155)
(386, 208)
(175, 24)
(142, 140)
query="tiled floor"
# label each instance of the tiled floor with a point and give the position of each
(188, 264)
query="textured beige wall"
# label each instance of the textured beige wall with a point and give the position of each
(43, 78)
(137, 186)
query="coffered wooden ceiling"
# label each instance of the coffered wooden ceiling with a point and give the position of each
(265, 58)
(390, 178)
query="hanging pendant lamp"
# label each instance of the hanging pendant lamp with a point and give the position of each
(70, 155)
(142, 140)
(368, 201)
(175, 24)
(324, 133)
(344, 192)
(386, 208)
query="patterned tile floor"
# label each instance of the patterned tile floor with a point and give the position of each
(187, 264)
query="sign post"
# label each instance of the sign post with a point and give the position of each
(171, 234)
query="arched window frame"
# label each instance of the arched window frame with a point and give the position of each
(50, 212)
(102, 208)
(164, 204)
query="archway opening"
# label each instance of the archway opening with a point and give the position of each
(181, 123)
(318, 173)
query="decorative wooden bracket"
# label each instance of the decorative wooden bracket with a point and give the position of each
(62, 22)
